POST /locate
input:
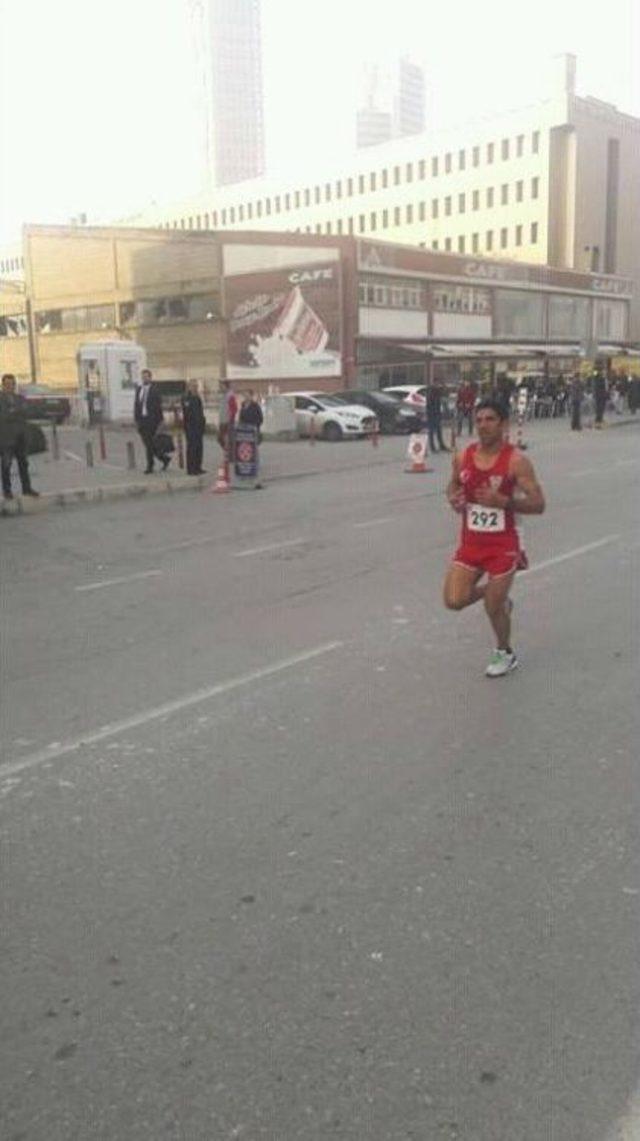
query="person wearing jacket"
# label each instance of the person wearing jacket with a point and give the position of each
(13, 425)
(194, 423)
(251, 412)
(147, 413)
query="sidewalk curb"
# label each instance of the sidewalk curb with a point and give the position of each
(80, 496)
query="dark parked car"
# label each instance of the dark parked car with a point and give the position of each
(45, 403)
(393, 416)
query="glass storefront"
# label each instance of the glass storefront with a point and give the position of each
(518, 313)
(568, 316)
(610, 319)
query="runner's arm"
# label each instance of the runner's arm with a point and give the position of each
(529, 497)
(455, 493)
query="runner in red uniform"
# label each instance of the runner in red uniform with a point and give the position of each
(490, 482)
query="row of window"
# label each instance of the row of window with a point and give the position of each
(14, 325)
(502, 240)
(464, 243)
(516, 313)
(380, 292)
(11, 265)
(155, 311)
(360, 184)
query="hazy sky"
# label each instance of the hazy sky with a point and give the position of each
(99, 113)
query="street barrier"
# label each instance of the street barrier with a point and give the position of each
(180, 451)
(55, 442)
(88, 447)
(245, 456)
(103, 442)
(131, 456)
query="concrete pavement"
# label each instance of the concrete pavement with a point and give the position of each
(279, 861)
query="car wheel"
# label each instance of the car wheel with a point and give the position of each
(332, 431)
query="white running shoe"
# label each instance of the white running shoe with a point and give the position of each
(501, 662)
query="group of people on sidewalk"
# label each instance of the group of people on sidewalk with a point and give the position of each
(149, 420)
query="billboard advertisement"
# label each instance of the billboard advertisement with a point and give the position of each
(284, 323)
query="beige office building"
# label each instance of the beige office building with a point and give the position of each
(159, 289)
(557, 183)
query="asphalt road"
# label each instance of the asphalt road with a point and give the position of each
(278, 860)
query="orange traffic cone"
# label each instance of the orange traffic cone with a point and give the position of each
(417, 453)
(222, 483)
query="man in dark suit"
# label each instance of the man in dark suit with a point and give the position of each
(147, 413)
(194, 424)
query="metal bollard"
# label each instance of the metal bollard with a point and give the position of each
(88, 447)
(103, 442)
(55, 443)
(312, 429)
(180, 451)
(131, 456)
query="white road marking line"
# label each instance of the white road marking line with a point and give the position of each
(92, 738)
(269, 547)
(117, 581)
(627, 463)
(73, 456)
(374, 522)
(570, 555)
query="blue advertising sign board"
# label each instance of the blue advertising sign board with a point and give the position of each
(245, 451)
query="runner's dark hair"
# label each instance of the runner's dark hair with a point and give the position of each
(496, 406)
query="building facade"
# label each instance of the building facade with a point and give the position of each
(95, 283)
(228, 56)
(557, 183)
(282, 311)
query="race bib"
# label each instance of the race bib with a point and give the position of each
(485, 520)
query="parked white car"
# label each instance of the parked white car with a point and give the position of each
(322, 415)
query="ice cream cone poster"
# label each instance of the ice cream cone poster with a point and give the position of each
(284, 323)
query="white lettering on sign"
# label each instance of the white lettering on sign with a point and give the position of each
(477, 269)
(608, 285)
(299, 277)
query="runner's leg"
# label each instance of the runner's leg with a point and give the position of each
(461, 587)
(496, 596)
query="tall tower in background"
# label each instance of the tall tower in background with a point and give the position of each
(409, 118)
(393, 103)
(228, 58)
(374, 120)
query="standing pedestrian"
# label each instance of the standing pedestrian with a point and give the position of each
(251, 412)
(228, 413)
(434, 417)
(576, 397)
(194, 424)
(147, 413)
(465, 403)
(599, 394)
(634, 394)
(13, 442)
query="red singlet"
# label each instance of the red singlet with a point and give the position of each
(489, 539)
